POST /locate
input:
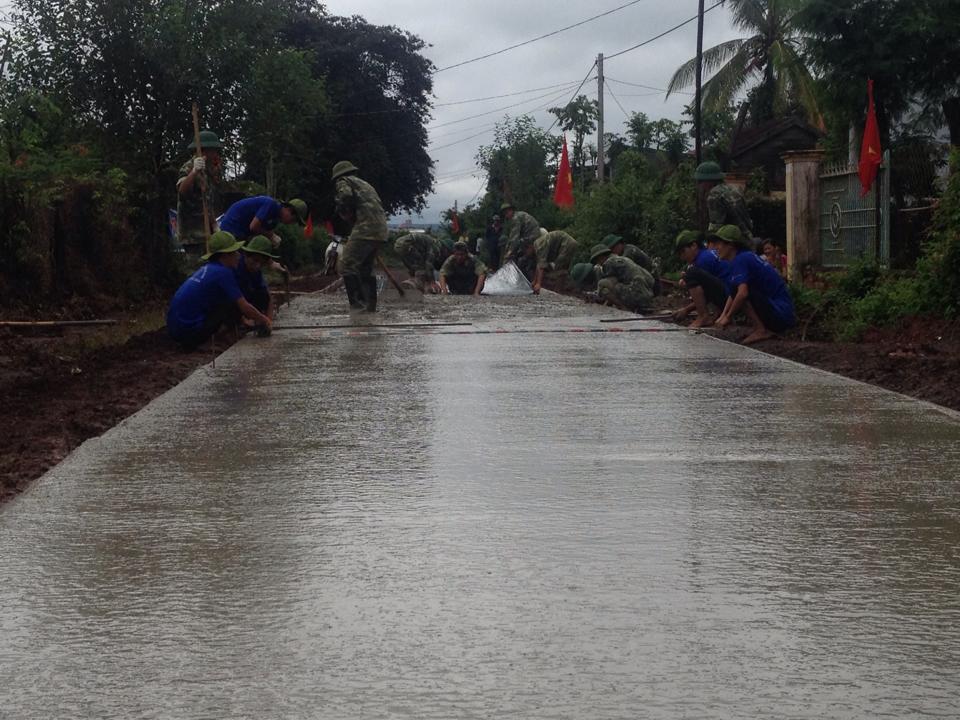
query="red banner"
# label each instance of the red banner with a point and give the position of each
(870, 153)
(563, 193)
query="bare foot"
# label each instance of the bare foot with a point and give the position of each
(702, 322)
(757, 335)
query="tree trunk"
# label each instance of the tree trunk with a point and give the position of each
(951, 110)
(271, 176)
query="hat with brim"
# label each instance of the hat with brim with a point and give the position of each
(342, 168)
(221, 242)
(708, 171)
(611, 240)
(299, 207)
(731, 234)
(506, 206)
(208, 139)
(688, 237)
(598, 251)
(259, 245)
(460, 246)
(580, 272)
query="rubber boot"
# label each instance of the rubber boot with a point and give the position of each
(370, 293)
(354, 289)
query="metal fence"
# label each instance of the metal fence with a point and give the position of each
(851, 228)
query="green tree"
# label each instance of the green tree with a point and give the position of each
(770, 57)
(378, 86)
(519, 163)
(579, 116)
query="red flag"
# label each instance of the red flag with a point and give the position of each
(454, 223)
(308, 230)
(870, 153)
(563, 193)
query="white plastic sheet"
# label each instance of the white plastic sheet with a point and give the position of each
(508, 280)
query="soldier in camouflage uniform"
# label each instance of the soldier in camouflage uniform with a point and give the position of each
(551, 251)
(725, 204)
(462, 273)
(584, 276)
(622, 282)
(421, 254)
(632, 252)
(523, 231)
(359, 204)
(199, 177)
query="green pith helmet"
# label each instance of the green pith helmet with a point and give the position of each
(611, 240)
(580, 272)
(221, 242)
(208, 139)
(732, 235)
(460, 246)
(688, 237)
(343, 167)
(447, 242)
(506, 206)
(260, 245)
(708, 171)
(299, 207)
(597, 251)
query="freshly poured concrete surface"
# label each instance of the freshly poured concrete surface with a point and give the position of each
(341, 523)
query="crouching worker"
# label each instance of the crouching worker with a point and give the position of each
(621, 281)
(255, 256)
(553, 251)
(755, 287)
(211, 297)
(618, 246)
(421, 255)
(462, 273)
(704, 278)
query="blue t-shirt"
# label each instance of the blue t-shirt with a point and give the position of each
(236, 220)
(762, 282)
(249, 282)
(210, 286)
(708, 260)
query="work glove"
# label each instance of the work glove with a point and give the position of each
(199, 164)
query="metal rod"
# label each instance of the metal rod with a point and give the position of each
(53, 323)
(370, 327)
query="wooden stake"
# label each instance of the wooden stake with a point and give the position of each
(202, 180)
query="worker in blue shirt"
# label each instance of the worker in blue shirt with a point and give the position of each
(259, 215)
(755, 287)
(704, 278)
(211, 297)
(254, 257)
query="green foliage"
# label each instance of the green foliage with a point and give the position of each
(579, 116)
(519, 165)
(640, 204)
(299, 251)
(940, 265)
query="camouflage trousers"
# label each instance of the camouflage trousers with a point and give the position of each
(636, 296)
(357, 257)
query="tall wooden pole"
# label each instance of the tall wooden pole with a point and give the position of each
(601, 170)
(698, 98)
(201, 180)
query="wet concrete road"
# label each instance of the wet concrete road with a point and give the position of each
(477, 522)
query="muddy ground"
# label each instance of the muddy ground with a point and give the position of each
(61, 389)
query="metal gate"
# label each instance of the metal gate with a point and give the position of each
(848, 222)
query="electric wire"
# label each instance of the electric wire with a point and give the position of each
(665, 32)
(645, 87)
(586, 77)
(501, 109)
(617, 101)
(541, 37)
(497, 97)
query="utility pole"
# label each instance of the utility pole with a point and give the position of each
(600, 159)
(698, 97)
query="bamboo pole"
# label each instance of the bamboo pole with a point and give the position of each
(201, 180)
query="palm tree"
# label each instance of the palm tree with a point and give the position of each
(768, 59)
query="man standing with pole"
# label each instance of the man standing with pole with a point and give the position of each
(197, 187)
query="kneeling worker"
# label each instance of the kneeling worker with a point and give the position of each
(211, 297)
(255, 256)
(421, 254)
(462, 273)
(704, 278)
(755, 287)
(622, 282)
(553, 251)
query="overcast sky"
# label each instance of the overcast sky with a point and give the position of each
(458, 30)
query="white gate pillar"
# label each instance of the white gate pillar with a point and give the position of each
(803, 210)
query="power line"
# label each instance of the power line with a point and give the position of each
(617, 101)
(507, 107)
(585, 79)
(541, 37)
(645, 87)
(665, 32)
(497, 97)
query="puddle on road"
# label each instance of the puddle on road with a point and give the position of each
(517, 525)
